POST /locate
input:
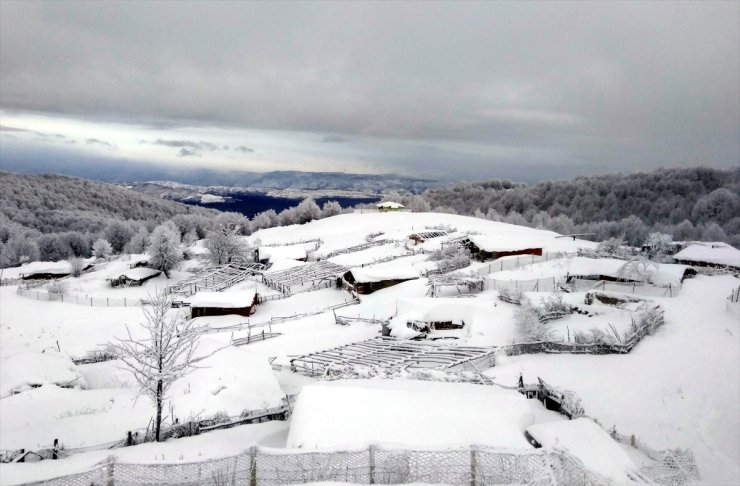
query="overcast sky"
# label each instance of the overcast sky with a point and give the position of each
(453, 90)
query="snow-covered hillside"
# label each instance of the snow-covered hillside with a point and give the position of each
(678, 388)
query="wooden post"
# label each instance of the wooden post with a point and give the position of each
(111, 462)
(55, 450)
(473, 465)
(253, 466)
(372, 464)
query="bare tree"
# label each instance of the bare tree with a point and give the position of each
(166, 354)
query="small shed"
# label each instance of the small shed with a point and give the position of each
(368, 280)
(242, 302)
(134, 277)
(709, 254)
(485, 247)
(389, 206)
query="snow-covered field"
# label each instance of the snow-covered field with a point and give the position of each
(680, 387)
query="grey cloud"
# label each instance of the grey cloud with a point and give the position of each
(186, 152)
(96, 141)
(334, 139)
(6, 128)
(243, 149)
(617, 83)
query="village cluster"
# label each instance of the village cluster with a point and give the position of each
(383, 332)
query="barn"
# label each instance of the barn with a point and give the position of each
(483, 247)
(241, 302)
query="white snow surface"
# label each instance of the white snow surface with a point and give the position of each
(211, 198)
(590, 443)
(292, 252)
(352, 414)
(710, 252)
(20, 371)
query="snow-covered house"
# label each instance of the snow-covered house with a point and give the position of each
(709, 254)
(389, 206)
(368, 280)
(242, 302)
(133, 277)
(45, 270)
(484, 247)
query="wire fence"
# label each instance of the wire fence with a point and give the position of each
(519, 261)
(43, 295)
(260, 466)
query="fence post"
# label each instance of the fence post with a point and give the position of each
(55, 450)
(372, 464)
(253, 469)
(107, 301)
(124, 301)
(110, 466)
(473, 465)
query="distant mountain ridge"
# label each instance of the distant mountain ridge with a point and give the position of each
(54, 203)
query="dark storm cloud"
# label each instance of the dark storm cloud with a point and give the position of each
(622, 84)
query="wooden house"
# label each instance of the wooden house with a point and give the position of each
(368, 280)
(241, 302)
(485, 248)
(390, 206)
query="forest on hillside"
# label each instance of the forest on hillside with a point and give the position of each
(688, 204)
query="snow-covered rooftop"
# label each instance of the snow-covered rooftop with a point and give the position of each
(138, 273)
(58, 268)
(717, 253)
(224, 300)
(383, 272)
(491, 243)
(390, 205)
(407, 413)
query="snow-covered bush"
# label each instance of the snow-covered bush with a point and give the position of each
(611, 246)
(57, 287)
(331, 208)
(593, 336)
(531, 328)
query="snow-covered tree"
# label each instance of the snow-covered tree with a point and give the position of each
(101, 248)
(331, 208)
(52, 248)
(164, 248)
(165, 354)
(77, 264)
(235, 222)
(611, 246)
(307, 211)
(660, 244)
(418, 204)
(118, 234)
(138, 242)
(18, 250)
(637, 269)
(224, 245)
